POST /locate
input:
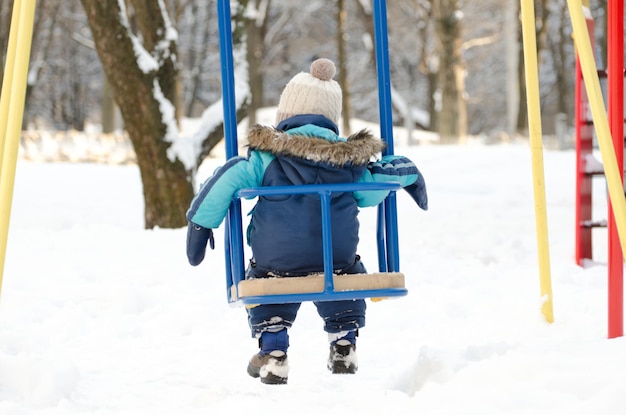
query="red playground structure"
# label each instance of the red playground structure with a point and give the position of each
(587, 167)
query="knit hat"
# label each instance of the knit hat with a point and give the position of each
(312, 93)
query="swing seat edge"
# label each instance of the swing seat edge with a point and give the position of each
(314, 285)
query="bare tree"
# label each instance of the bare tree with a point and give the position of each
(142, 79)
(141, 68)
(44, 24)
(342, 58)
(365, 13)
(542, 12)
(256, 25)
(428, 62)
(452, 119)
(197, 15)
(561, 59)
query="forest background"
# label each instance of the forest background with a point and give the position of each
(128, 66)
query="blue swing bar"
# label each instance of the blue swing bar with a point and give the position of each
(387, 229)
(387, 223)
(233, 241)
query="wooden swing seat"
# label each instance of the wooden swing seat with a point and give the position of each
(315, 284)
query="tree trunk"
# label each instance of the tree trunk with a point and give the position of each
(542, 13)
(433, 112)
(452, 119)
(366, 16)
(522, 111)
(342, 67)
(167, 185)
(427, 65)
(108, 109)
(510, 9)
(256, 27)
(561, 64)
(200, 30)
(40, 50)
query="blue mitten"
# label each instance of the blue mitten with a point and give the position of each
(417, 191)
(197, 238)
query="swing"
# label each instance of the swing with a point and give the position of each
(326, 286)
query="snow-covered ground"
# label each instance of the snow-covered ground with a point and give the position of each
(99, 316)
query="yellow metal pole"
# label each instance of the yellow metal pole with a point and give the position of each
(7, 81)
(23, 16)
(600, 119)
(536, 145)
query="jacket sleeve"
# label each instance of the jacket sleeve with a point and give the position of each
(392, 169)
(209, 207)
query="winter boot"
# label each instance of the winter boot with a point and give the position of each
(342, 358)
(271, 364)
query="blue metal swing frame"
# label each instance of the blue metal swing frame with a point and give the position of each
(387, 223)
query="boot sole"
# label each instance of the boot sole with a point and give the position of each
(270, 379)
(340, 368)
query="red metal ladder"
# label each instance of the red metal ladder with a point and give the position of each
(587, 168)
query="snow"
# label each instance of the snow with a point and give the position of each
(147, 63)
(171, 34)
(171, 129)
(99, 316)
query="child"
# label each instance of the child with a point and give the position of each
(285, 231)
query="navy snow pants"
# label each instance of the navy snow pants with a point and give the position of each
(337, 315)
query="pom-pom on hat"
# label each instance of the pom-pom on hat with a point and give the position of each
(312, 93)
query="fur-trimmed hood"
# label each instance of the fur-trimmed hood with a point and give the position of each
(358, 148)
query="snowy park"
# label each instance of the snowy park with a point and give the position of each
(100, 316)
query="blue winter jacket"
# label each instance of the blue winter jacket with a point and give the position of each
(285, 232)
